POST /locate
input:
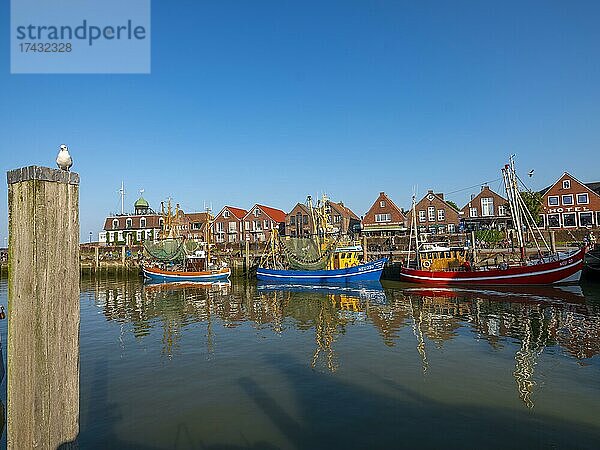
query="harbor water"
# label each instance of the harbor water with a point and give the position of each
(391, 365)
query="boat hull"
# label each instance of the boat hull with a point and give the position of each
(364, 272)
(156, 274)
(562, 271)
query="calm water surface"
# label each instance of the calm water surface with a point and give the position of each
(373, 366)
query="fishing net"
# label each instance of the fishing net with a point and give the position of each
(304, 254)
(166, 250)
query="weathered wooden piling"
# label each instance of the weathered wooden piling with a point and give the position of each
(43, 308)
(552, 241)
(247, 259)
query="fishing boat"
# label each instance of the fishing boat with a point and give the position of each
(176, 259)
(438, 264)
(323, 257)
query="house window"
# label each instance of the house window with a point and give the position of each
(232, 227)
(256, 225)
(597, 217)
(161, 222)
(502, 210)
(128, 223)
(451, 228)
(553, 200)
(382, 204)
(138, 235)
(487, 206)
(569, 220)
(265, 224)
(582, 199)
(422, 216)
(383, 217)
(431, 213)
(143, 222)
(441, 229)
(585, 219)
(441, 215)
(305, 219)
(472, 212)
(257, 212)
(232, 237)
(567, 184)
(226, 214)
(553, 221)
(293, 220)
(120, 236)
(567, 199)
(115, 224)
(337, 218)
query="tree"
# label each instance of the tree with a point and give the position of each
(454, 205)
(533, 202)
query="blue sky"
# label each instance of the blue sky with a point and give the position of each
(268, 101)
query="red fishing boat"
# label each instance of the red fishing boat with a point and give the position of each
(436, 264)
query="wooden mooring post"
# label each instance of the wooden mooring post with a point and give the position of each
(247, 259)
(43, 308)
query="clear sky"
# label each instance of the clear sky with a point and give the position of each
(268, 101)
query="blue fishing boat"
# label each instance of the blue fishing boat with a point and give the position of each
(370, 271)
(323, 256)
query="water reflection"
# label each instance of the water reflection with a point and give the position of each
(524, 322)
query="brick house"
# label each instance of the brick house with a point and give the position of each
(298, 222)
(260, 220)
(570, 204)
(130, 229)
(486, 210)
(435, 215)
(384, 218)
(197, 225)
(228, 225)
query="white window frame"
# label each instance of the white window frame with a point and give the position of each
(138, 235)
(431, 213)
(382, 204)
(502, 210)
(226, 214)
(559, 220)
(550, 197)
(472, 212)
(129, 222)
(142, 222)
(568, 214)
(441, 215)
(422, 216)
(256, 212)
(232, 227)
(562, 199)
(587, 198)
(586, 212)
(265, 224)
(487, 206)
(566, 184)
(451, 228)
(115, 224)
(220, 227)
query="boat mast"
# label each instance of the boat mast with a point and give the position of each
(414, 225)
(512, 191)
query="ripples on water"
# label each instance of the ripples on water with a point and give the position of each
(272, 366)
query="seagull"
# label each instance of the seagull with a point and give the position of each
(531, 173)
(64, 160)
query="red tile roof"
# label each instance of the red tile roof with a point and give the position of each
(276, 214)
(237, 212)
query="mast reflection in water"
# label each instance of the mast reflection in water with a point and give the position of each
(281, 366)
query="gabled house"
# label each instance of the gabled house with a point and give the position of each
(298, 222)
(343, 219)
(486, 210)
(132, 228)
(569, 203)
(384, 218)
(259, 222)
(228, 225)
(435, 215)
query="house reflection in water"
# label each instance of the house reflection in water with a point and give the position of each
(535, 319)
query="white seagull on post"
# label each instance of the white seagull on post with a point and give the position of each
(64, 160)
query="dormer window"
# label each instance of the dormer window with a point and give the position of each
(128, 223)
(143, 222)
(566, 184)
(115, 224)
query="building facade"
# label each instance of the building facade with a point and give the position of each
(384, 218)
(260, 221)
(130, 229)
(435, 215)
(228, 225)
(298, 222)
(571, 204)
(486, 210)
